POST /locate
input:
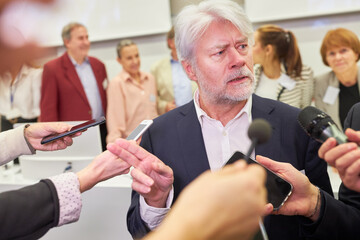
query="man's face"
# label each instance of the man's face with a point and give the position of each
(130, 59)
(224, 65)
(78, 46)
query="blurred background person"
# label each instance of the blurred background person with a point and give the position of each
(174, 88)
(131, 94)
(279, 72)
(20, 96)
(73, 85)
(338, 90)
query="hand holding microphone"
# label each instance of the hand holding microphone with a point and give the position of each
(342, 153)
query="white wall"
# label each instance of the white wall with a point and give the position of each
(151, 48)
(309, 32)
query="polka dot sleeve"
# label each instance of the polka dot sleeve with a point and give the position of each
(68, 189)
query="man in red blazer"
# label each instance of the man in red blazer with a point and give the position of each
(73, 85)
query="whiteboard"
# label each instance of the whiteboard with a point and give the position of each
(277, 10)
(104, 19)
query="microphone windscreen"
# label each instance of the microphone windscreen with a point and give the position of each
(313, 120)
(260, 129)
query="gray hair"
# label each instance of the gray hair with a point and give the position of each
(193, 20)
(123, 43)
(66, 31)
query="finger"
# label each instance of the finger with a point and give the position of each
(141, 177)
(268, 209)
(68, 140)
(116, 149)
(326, 146)
(353, 136)
(343, 155)
(268, 163)
(140, 188)
(58, 127)
(136, 150)
(353, 170)
(163, 169)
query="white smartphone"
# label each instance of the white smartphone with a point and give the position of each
(139, 130)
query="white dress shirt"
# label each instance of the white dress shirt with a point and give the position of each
(22, 98)
(220, 143)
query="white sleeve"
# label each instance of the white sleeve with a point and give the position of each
(153, 216)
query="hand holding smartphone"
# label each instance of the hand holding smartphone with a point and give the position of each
(78, 128)
(139, 130)
(278, 188)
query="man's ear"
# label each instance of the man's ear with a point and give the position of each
(119, 60)
(66, 42)
(189, 70)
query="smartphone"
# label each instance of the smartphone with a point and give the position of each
(139, 130)
(278, 189)
(78, 128)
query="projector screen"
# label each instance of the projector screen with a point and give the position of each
(104, 19)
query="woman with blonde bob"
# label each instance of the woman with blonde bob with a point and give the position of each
(338, 90)
(279, 72)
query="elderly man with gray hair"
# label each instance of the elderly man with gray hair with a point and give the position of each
(73, 85)
(214, 41)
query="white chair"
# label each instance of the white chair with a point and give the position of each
(44, 164)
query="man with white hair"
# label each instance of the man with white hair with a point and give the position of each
(214, 41)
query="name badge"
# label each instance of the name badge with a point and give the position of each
(287, 82)
(152, 98)
(105, 83)
(331, 95)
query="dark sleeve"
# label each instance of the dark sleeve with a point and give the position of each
(352, 120)
(136, 226)
(339, 219)
(28, 213)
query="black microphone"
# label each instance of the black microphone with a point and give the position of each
(319, 125)
(259, 132)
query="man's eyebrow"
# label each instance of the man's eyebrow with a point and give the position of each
(219, 46)
(242, 40)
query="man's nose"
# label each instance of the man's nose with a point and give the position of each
(236, 59)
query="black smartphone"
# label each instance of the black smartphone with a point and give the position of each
(73, 130)
(139, 130)
(278, 189)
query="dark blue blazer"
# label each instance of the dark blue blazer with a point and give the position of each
(176, 139)
(341, 219)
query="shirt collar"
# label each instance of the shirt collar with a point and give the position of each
(75, 63)
(201, 113)
(127, 77)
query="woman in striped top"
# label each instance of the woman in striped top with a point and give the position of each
(279, 72)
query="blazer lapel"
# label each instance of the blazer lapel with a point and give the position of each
(192, 143)
(262, 108)
(73, 78)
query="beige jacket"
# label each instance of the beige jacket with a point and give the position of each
(13, 145)
(161, 70)
(321, 84)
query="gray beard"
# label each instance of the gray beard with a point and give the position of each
(222, 97)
